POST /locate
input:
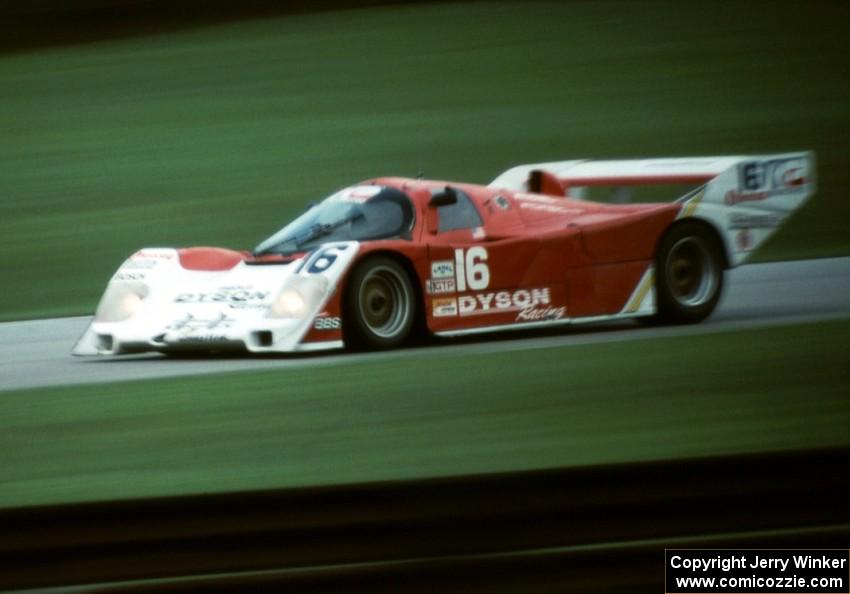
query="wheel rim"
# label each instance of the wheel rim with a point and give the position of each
(385, 302)
(691, 272)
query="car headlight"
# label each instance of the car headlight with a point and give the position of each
(120, 302)
(298, 297)
(289, 304)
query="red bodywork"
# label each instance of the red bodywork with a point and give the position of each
(536, 257)
(549, 256)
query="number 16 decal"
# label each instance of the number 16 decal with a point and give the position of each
(471, 269)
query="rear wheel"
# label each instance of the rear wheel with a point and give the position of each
(689, 273)
(380, 305)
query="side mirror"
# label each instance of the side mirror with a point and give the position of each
(444, 198)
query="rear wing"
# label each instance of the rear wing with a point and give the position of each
(746, 198)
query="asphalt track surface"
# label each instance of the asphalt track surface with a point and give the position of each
(37, 353)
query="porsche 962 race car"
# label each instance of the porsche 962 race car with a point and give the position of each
(378, 261)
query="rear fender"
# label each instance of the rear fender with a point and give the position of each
(750, 201)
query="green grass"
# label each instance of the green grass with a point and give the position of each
(219, 135)
(429, 415)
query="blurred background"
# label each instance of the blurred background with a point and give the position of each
(137, 123)
(141, 123)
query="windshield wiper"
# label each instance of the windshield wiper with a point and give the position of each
(322, 229)
(316, 231)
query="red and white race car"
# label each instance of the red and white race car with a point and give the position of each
(376, 262)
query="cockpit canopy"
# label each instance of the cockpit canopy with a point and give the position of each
(358, 213)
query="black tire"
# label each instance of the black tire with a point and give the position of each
(380, 305)
(689, 270)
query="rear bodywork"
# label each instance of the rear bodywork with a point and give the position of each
(533, 252)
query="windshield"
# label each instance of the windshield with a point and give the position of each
(358, 213)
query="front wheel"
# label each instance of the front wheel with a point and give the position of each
(380, 305)
(689, 274)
